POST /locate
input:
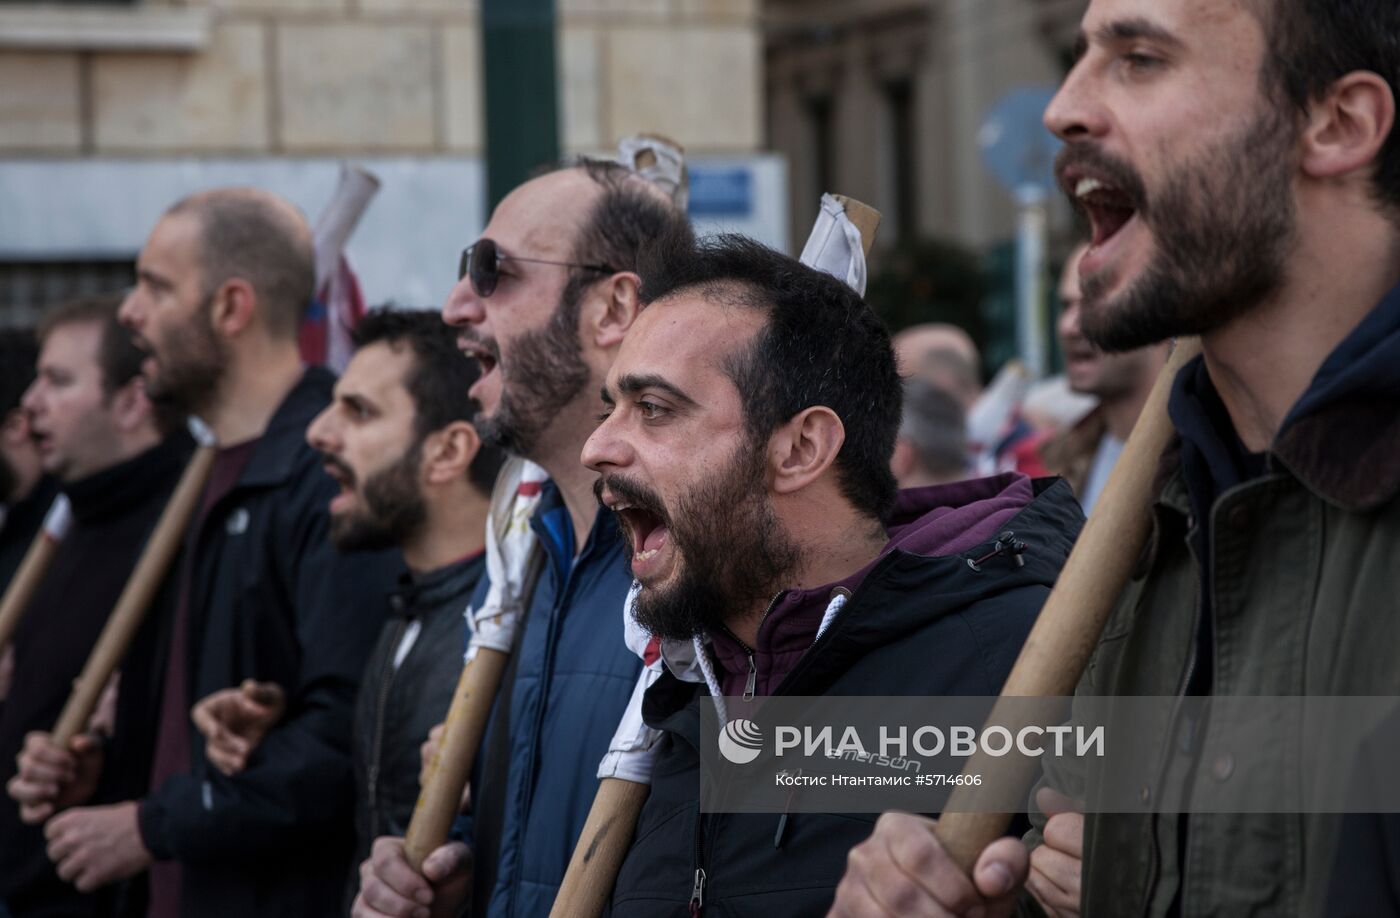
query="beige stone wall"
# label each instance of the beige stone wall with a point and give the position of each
(347, 77)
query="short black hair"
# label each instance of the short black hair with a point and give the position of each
(1314, 43)
(19, 352)
(821, 345)
(629, 214)
(440, 378)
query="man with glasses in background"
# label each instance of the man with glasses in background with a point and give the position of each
(543, 302)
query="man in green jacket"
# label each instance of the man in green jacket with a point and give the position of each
(1239, 163)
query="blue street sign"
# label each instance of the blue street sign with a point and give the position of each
(726, 192)
(1014, 142)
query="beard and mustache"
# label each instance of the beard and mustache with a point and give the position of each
(192, 366)
(1223, 223)
(547, 372)
(394, 509)
(730, 548)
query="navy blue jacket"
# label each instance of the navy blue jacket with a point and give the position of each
(569, 682)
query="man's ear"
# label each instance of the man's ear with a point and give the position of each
(233, 307)
(619, 304)
(448, 453)
(131, 408)
(902, 461)
(1347, 128)
(803, 449)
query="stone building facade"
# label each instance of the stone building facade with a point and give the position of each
(110, 110)
(884, 99)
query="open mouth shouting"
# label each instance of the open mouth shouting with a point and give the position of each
(1110, 196)
(644, 525)
(42, 440)
(486, 353)
(344, 477)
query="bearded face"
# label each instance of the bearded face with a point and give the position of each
(728, 545)
(187, 362)
(1221, 223)
(545, 372)
(390, 509)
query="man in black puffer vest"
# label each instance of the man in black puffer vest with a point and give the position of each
(98, 435)
(750, 419)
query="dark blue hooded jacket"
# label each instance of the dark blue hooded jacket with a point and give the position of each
(561, 699)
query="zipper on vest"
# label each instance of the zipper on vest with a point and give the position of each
(381, 709)
(697, 889)
(751, 684)
(697, 893)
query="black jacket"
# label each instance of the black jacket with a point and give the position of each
(22, 521)
(273, 600)
(915, 625)
(114, 511)
(397, 706)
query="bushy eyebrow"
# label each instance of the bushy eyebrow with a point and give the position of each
(606, 396)
(154, 279)
(632, 383)
(356, 401)
(1122, 30)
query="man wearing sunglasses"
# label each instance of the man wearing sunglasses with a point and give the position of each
(543, 301)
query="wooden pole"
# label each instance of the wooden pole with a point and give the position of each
(1068, 627)
(451, 767)
(607, 833)
(597, 858)
(32, 569)
(136, 597)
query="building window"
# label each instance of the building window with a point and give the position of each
(900, 154)
(822, 144)
(27, 288)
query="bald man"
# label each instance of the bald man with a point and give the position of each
(944, 355)
(222, 284)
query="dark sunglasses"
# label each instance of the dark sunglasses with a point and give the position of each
(482, 262)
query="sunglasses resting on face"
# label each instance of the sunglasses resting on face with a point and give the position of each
(482, 262)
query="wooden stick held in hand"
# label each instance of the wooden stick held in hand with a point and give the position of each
(451, 766)
(140, 590)
(607, 835)
(1058, 648)
(32, 569)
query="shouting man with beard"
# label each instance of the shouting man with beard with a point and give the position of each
(223, 282)
(745, 447)
(543, 301)
(1240, 164)
(414, 476)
